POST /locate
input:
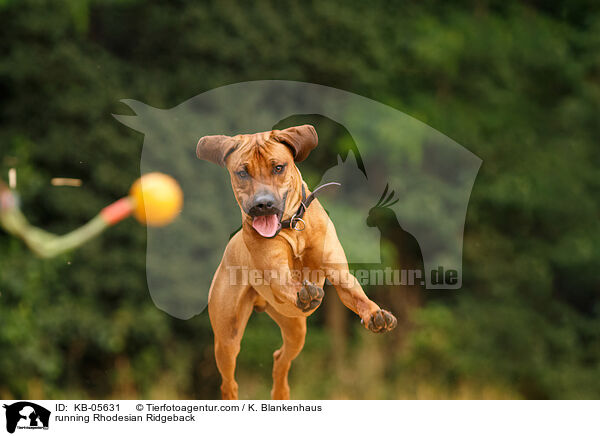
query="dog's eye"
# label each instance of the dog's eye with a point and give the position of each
(242, 174)
(278, 168)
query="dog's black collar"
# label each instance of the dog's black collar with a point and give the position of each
(296, 222)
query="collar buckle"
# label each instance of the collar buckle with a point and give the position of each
(297, 223)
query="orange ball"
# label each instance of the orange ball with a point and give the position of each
(157, 199)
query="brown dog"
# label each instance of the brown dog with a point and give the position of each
(280, 258)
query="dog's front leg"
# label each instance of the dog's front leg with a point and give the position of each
(292, 294)
(354, 298)
(349, 289)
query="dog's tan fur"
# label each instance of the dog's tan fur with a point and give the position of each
(314, 250)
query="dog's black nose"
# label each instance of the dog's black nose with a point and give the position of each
(264, 201)
(262, 204)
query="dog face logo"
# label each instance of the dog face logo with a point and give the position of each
(262, 170)
(26, 415)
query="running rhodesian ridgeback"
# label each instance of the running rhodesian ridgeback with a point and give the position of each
(279, 260)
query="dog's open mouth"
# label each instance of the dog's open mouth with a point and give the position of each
(266, 225)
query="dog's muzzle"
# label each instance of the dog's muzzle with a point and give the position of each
(266, 215)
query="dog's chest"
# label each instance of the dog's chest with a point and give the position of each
(297, 246)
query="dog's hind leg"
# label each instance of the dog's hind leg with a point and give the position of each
(293, 332)
(229, 308)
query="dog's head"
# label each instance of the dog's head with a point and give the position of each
(262, 170)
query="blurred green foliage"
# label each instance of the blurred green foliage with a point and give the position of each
(517, 83)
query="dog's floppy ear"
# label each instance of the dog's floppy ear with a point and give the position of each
(215, 148)
(300, 139)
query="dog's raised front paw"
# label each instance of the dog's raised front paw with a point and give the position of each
(309, 297)
(381, 321)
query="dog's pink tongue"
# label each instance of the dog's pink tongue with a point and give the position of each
(266, 225)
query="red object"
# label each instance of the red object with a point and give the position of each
(117, 211)
(7, 200)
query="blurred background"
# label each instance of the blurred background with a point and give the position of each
(516, 83)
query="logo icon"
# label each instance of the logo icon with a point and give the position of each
(26, 415)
